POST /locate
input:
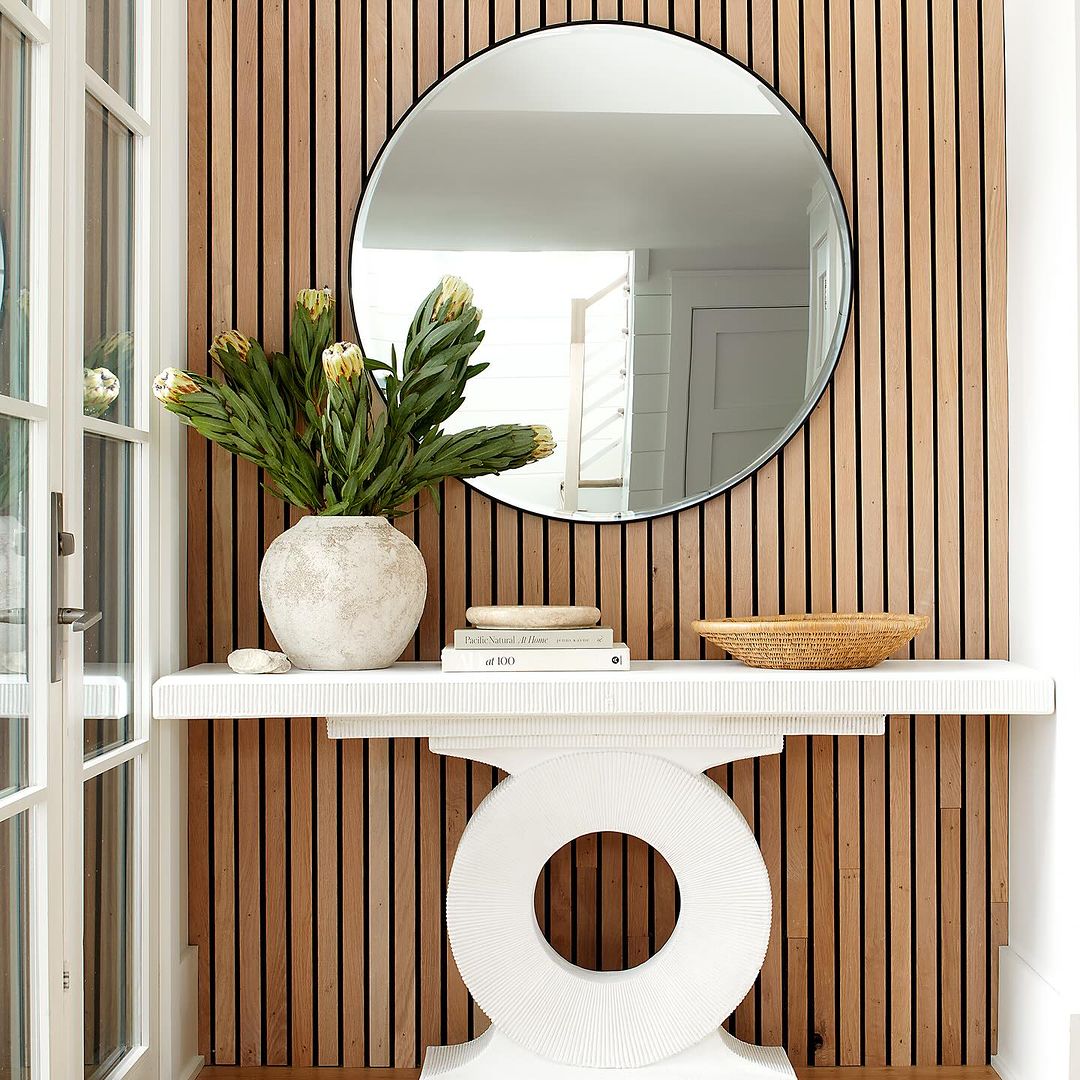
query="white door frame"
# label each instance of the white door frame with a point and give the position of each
(164, 964)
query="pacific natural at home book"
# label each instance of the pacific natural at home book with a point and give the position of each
(593, 637)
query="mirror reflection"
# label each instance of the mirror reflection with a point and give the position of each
(659, 250)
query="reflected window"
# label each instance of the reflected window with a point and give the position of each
(14, 210)
(108, 551)
(15, 949)
(108, 920)
(14, 684)
(110, 43)
(108, 351)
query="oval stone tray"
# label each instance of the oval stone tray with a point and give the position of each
(533, 617)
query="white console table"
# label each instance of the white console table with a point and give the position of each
(621, 752)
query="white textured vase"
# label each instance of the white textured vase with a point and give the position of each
(343, 593)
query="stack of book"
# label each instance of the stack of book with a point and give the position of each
(588, 649)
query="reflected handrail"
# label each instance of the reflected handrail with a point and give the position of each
(573, 482)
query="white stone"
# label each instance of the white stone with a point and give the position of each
(343, 593)
(258, 662)
(533, 617)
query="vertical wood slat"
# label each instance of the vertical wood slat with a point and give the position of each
(456, 810)
(379, 842)
(896, 508)
(403, 913)
(430, 900)
(272, 304)
(870, 570)
(223, 736)
(354, 904)
(327, 977)
(248, 618)
(819, 436)
(863, 508)
(198, 791)
(301, 888)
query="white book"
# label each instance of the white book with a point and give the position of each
(593, 637)
(616, 658)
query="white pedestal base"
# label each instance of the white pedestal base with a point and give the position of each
(608, 1019)
(552, 1020)
(719, 1056)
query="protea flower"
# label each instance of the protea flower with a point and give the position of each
(342, 360)
(100, 389)
(455, 295)
(543, 442)
(316, 302)
(230, 341)
(172, 384)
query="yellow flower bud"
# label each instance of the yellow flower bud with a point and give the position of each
(342, 360)
(543, 443)
(456, 294)
(230, 340)
(316, 302)
(100, 389)
(172, 384)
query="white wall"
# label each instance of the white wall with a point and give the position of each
(651, 364)
(1040, 968)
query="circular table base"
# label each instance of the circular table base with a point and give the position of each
(623, 1019)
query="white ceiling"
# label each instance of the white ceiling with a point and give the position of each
(598, 138)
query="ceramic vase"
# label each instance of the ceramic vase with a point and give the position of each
(343, 593)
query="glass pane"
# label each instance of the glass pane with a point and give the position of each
(14, 209)
(107, 312)
(14, 950)
(107, 919)
(110, 43)
(14, 685)
(107, 587)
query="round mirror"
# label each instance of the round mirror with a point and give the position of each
(659, 249)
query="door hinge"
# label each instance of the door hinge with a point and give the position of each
(67, 977)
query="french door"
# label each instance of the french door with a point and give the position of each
(75, 290)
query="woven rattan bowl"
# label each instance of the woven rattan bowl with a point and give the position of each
(821, 642)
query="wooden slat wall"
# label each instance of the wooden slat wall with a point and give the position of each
(317, 869)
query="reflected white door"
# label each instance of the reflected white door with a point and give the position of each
(747, 379)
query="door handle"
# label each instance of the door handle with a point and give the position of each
(62, 544)
(79, 619)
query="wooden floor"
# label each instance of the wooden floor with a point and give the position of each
(267, 1073)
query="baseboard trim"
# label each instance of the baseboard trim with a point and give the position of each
(1002, 1070)
(192, 1068)
(1035, 1026)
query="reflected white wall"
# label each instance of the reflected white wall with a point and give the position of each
(525, 298)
